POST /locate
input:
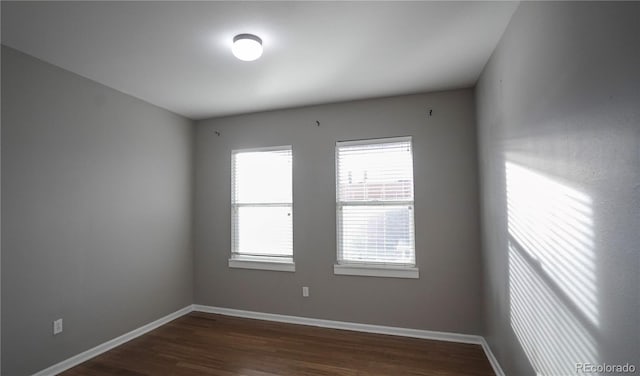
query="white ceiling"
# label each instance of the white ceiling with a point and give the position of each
(177, 55)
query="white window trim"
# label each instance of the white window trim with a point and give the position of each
(365, 269)
(373, 141)
(370, 270)
(239, 261)
(266, 263)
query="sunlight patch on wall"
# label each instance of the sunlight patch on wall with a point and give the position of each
(552, 336)
(552, 279)
(553, 224)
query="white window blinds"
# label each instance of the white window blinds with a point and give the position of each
(262, 204)
(374, 202)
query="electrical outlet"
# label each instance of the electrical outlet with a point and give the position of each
(57, 326)
(305, 291)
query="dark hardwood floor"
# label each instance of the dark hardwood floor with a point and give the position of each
(208, 344)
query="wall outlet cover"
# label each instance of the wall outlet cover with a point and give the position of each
(57, 326)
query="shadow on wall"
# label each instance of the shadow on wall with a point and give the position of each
(553, 293)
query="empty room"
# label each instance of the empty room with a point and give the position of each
(290, 188)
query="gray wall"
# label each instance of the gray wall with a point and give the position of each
(558, 104)
(96, 207)
(0, 200)
(447, 295)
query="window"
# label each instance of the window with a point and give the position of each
(262, 209)
(374, 203)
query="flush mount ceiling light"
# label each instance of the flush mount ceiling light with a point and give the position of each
(247, 47)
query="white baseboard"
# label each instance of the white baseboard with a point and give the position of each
(492, 359)
(379, 329)
(368, 328)
(102, 348)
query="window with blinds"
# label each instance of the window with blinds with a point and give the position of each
(262, 204)
(374, 202)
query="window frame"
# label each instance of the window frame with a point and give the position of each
(237, 260)
(372, 269)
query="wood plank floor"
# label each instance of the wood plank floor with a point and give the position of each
(208, 344)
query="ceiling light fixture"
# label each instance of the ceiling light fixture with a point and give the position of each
(247, 47)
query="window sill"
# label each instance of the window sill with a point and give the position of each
(263, 264)
(376, 271)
